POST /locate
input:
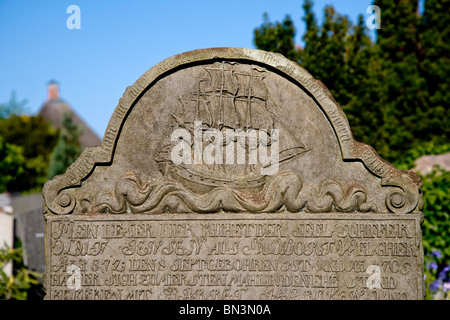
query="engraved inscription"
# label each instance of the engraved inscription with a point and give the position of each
(239, 256)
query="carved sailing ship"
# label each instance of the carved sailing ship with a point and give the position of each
(227, 98)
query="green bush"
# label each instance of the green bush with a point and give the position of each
(436, 188)
(436, 227)
(21, 281)
(426, 148)
(12, 164)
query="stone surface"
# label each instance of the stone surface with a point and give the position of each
(235, 256)
(25, 203)
(239, 139)
(30, 230)
(426, 164)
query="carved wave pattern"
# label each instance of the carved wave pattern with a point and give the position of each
(282, 192)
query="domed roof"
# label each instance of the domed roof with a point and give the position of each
(54, 109)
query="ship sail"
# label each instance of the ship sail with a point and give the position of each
(221, 80)
(228, 97)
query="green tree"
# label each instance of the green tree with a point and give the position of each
(67, 149)
(12, 165)
(394, 91)
(435, 68)
(36, 138)
(363, 77)
(404, 96)
(325, 54)
(26, 144)
(33, 133)
(278, 37)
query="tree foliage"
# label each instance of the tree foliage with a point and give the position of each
(436, 226)
(22, 281)
(12, 164)
(277, 38)
(395, 91)
(30, 139)
(33, 133)
(435, 66)
(67, 149)
(25, 146)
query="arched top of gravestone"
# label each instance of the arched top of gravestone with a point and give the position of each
(230, 130)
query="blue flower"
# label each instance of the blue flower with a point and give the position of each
(437, 254)
(436, 285)
(443, 273)
(433, 265)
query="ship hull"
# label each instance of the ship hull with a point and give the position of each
(197, 180)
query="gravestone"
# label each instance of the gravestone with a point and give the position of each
(232, 174)
(30, 230)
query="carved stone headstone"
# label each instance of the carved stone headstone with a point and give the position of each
(232, 174)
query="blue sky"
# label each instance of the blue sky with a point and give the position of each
(120, 40)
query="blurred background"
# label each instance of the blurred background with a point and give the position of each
(65, 64)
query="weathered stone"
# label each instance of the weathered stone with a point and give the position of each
(30, 230)
(427, 163)
(232, 174)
